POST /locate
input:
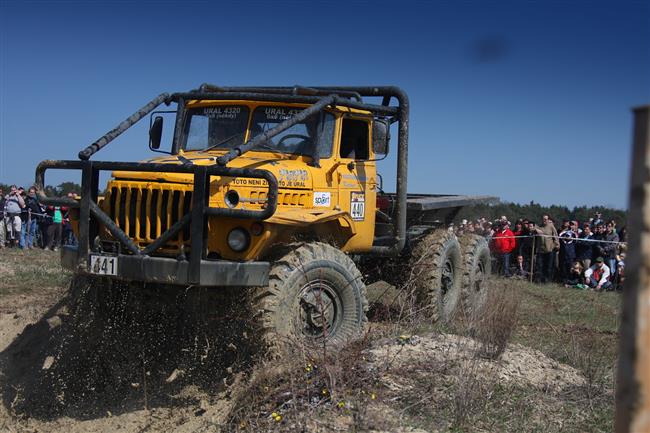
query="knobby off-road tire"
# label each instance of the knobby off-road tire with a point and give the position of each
(435, 272)
(315, 295)
(475, 271)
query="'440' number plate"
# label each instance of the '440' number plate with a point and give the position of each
(103, 265)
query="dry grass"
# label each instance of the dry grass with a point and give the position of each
(495, 323)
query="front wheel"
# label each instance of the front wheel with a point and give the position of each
(315, 295)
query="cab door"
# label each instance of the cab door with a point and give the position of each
(357, 179)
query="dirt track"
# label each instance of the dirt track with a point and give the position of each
(160, 360)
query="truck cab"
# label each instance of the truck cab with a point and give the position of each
(325, 167)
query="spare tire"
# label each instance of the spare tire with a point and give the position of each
(435, 273)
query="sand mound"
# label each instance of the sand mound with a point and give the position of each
(518, 364)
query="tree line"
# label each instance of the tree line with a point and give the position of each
(534, 211)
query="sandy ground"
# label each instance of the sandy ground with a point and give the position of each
(67, 366)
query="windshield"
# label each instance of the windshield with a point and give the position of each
(224, 127)
(302, 138)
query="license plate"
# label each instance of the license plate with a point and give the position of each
(103, 265)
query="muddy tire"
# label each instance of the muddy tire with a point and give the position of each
(475, 271)
(315, 295)
(435, 265)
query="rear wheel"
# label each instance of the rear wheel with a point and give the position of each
(476, 269)
(315, 295)
(435, 266)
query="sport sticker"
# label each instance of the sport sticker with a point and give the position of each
(357, 206)
(322, 199)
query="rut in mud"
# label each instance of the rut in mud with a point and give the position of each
(113, 348)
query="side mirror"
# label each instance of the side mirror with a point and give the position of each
(155, 133)
(380, 136)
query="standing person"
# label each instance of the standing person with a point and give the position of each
(68, 235)
(517, 232)
(610, 247)
(584, 246)
(599, 235)
(527, 244)
(547, 245)
(14, 204)
(2, 220)
(55, 228)
(598, 219)
(597, 276)
(33, 210)
(504, 244)
(568, 237)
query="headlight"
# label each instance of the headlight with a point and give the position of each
(238, 239)
(232, 198)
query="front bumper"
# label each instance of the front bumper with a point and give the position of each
(221, 273)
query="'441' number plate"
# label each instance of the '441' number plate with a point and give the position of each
(103, 265)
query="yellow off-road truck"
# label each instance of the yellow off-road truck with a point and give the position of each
(274, 190)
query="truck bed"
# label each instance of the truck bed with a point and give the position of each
(423, 212)
(430, 202)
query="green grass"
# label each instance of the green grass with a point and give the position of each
(554, 319)
(24, 271)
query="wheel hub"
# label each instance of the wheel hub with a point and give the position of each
(447, 279)
(320, 309)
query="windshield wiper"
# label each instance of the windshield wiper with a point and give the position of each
(223, 141)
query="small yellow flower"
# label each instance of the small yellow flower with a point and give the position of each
(373, 396)
(274, 414)
(277, 418)
(325, 392)
(341, 404)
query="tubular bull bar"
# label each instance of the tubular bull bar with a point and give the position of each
(140, 265)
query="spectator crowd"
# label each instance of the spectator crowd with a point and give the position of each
(585, 255)
(25, 223)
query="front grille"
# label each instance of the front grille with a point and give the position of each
(284, 198)
(144, 212)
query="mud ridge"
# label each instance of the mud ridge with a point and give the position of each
(115, 348)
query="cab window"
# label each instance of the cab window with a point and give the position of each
(354, 139)
(304, 138)
(217, 127)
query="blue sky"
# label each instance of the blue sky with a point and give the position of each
(523, 100)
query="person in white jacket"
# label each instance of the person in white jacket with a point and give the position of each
(597, 276)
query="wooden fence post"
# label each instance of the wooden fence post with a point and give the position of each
(633, 381)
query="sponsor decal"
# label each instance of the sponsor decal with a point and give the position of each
(292, 178)
(357, 206)
(249, 181)
(322, 199)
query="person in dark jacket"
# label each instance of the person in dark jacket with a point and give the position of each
(610, 248)
(527, 243)
(518, 232)
(31, 215)
(599, 235)
(584, 247)
(568, 238)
